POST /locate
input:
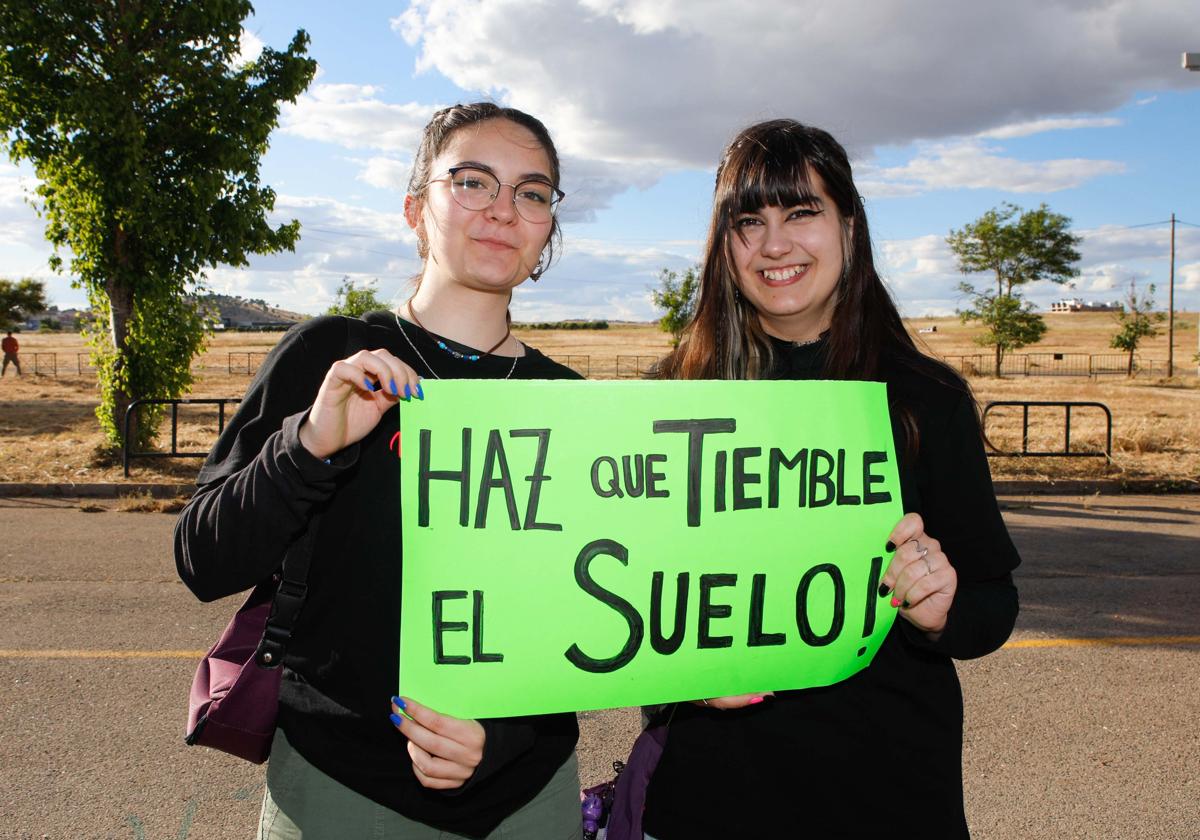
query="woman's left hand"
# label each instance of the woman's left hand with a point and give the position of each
(920, 577)
(444, 750)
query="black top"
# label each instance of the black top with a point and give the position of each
(879, 754)
(258, 490)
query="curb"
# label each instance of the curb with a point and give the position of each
(1080, 487)
(96, 491)
(1091, 487)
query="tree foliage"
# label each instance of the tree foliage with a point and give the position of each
(353, 301)
(1011, 323)
(20, 299)
(1137, 320)
(146, 130)
(1017, 246)
(677, 296)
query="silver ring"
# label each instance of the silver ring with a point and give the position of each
(705, 702)
(928, 568)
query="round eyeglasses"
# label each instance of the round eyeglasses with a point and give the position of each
(476, 189)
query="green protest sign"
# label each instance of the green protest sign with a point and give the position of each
(573, 546)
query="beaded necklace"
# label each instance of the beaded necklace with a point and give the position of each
(424, 361)
(466, 357)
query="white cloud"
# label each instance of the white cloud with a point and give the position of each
(972, 164)
(1109, 280)
(19, 222)
(386, 174)
(251, 46)
(1031, 127)
(668, 82)
(1189, 276)
(1113, 243)
(355, 117)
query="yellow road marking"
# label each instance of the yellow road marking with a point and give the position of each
(101, 654)
(1107, 641)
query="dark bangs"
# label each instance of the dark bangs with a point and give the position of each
(769, 168)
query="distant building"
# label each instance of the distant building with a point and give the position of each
(55, 318)
(1079, 305)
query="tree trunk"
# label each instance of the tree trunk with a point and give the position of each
(1129, 370)
(120, 308)
(999, 356)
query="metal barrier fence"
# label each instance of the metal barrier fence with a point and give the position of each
(1025, 405)
(252, 361)
(127, 454)
(635, 367)
(52, 363)
(1055, 364)
(608, 367)
(580, 364)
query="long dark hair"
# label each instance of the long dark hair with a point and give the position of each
(770, 164)
(442, 126)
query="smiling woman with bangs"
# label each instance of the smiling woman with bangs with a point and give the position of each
(789, 290)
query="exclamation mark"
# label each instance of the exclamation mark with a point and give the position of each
(872, 597)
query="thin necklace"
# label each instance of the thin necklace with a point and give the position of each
(807, 341)
(424, 361)
(466, 357)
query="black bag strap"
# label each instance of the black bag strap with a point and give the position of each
(292, 579)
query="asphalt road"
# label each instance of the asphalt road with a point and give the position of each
(1084, 726)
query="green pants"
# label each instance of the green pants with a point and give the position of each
(302, 803)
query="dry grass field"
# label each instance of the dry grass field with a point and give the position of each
(48, 431)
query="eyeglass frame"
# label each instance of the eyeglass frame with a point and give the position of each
(454, 170)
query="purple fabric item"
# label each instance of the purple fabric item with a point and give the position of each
(234, 700)
(629, 800)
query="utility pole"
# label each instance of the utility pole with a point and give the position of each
(1191, 61)
(1171, 308)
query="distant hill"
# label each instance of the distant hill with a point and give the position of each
(236, 312)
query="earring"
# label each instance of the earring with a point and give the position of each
(539, 269)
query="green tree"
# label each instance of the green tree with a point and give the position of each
(1017, 246)
(146, 131)
(676, 295)
(1011, 323)
(20, 299)
(353, 301)
(1138, 320)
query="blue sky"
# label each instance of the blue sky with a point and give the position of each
(948, 109)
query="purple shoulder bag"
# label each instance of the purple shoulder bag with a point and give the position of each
(235, 693)
(234, 700)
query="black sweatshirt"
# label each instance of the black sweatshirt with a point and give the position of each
(259, 489)
(879, 754)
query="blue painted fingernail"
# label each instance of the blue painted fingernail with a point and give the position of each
(392, 382)
(891, 546)
(372, 386)
(396, 719)
(420, 393)
(398, 703)
(407, 391)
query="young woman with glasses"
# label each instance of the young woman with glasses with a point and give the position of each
(789, 290)
(309, 447)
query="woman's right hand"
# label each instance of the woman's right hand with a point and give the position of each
(735, 701)
(356, 392)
